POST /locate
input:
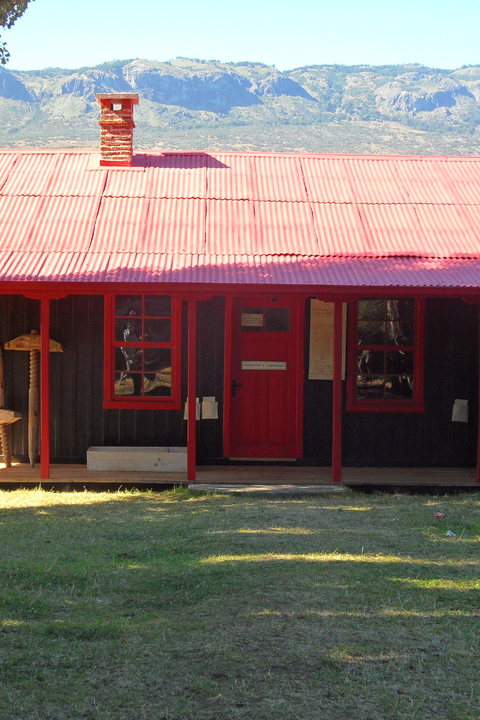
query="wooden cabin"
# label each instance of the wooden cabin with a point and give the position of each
(306, 310)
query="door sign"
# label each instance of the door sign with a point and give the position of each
(263, 365)
(252, 319)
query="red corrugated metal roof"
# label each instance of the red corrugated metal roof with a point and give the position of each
(241, 217)
(252, 269)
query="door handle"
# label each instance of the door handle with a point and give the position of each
(235, 385)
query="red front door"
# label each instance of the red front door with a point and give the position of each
(265, 401)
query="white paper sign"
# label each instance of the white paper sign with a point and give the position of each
(185, 411)
(263, 365)
(209, 408)
(252, 320)
(460, 411)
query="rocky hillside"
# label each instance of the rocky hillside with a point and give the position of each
(190, 104)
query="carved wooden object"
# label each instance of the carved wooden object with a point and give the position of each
(31, 343)
(7, 417)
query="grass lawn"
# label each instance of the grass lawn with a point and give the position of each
(178, 606)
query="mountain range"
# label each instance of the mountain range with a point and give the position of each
(195, 104)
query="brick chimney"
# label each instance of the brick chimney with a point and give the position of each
(116, 123)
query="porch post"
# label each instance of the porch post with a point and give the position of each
(337, 394)
(45, 388)
(192, 391)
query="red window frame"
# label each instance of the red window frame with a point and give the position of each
(411, 405)
(112, 401)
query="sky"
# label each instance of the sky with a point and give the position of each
(75, 33)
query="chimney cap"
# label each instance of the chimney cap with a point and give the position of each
(133, 97)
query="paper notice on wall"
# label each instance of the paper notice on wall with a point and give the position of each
(460, 411)
(252, 320)
(185, 411)
(209, 408)
(320, 364)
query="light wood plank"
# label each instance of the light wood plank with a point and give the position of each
(245, 475)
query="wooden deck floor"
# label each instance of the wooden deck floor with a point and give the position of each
(78, 475)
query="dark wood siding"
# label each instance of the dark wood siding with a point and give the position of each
(210, 335)
(425, 439)
(78, 419)
(18, 316)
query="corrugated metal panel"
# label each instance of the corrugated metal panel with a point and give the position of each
(339, 229)
(77, 174)
(32, 174)
(66, 266)
(279, 178)
(394, 230)
(7, 161)
(463, 178)
(327, 179)
(472, 214)
(174, 226)
(284, 228)
(231, 177)
(120, 225)
(423, 180)
(230, 226)
(17, 217)
(375, 181)
(25, 266)
(96, 266)
(126, 182)
(177, 176)
(450, 230)
(64, 223)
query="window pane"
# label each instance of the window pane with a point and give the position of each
(158, 371)
(370, 387)
(128, 305)
(371, 333)
(399, 363)
(128, 385)
(400, 309)
(158, 305)
(399, 333)
(128, 329)
(277, 319)
(157, 359)
(158, 330)
(372, 309)
(128, 358)
(371, 362)
(399, 388)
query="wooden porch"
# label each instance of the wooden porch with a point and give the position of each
(77, 476)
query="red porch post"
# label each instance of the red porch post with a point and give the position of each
(45, 388)
(337, 393)
(192, 391)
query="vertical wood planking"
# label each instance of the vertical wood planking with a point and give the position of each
(45, 388)
(192, 391)
(337, 394)
(227, 375)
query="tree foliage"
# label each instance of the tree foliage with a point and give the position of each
(10, 11)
